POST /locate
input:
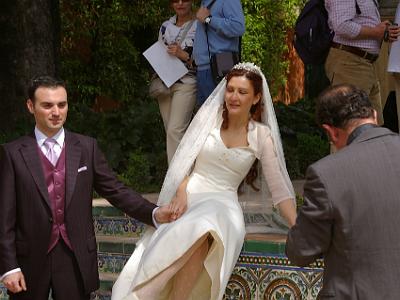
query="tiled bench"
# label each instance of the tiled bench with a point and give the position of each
(262, 271)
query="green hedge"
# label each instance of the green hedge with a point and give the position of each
(102, 42)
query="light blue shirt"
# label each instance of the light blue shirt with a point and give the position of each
(59, 137)
(224, 30)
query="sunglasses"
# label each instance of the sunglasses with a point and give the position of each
(177, 1)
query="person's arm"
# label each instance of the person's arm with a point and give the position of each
(375, 33)
(311, 236)
(341, 15)
(287, 209)
(8, 202)
(231, 24)
(281, 196)
(132, 203)
(10, 272)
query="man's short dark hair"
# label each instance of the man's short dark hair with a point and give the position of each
(43, 81)
(339, 104)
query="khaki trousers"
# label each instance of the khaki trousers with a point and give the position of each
(344, 67)
(176, 110)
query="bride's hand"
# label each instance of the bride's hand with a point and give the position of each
(178, 206)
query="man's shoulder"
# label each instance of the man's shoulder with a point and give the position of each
(77, 138)
(374, 139)
(18, 142)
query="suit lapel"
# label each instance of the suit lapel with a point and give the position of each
(72, 159)
(30, 153)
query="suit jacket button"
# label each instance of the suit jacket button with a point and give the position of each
(51, 220)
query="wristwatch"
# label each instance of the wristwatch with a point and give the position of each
(207, 20)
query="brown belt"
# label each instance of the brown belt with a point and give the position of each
(357, 51)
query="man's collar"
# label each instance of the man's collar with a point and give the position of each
(59, 137)
(358, 130)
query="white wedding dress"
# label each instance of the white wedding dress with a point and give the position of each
(213, 208)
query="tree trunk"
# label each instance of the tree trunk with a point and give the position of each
(29, 46)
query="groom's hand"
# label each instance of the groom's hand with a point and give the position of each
(15, 282)
(163, 214)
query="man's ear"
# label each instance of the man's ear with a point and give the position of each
(30, 105)
(332, 133)
(375, 116)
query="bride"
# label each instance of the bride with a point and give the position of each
(193, 257)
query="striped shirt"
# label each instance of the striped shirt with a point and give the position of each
(344, 20)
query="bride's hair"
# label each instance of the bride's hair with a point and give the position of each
(255, 111)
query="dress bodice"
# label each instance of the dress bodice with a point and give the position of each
(219, 168)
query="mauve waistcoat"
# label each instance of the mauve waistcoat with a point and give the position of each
(55, 182)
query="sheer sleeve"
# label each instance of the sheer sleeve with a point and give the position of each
(271, 169)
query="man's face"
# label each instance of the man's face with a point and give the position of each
(50, 108)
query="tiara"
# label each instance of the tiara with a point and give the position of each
(248, 66)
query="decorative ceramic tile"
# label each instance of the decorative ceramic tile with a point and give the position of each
(100, 296)
(111, 263)
(255, 277)
(271, 277)
(118, 226)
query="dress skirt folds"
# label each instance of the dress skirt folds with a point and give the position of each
(217, 213)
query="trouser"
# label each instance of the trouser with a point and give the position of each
(60, 274)
(176, 110)
(205, 85)
(345, 67)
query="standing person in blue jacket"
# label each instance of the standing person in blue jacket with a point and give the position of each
(224, 21)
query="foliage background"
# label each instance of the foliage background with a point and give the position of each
(102, 42)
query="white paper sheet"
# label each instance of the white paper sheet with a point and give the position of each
(394, 57)
(168, 67)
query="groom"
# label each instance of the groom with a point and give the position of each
(47, 239)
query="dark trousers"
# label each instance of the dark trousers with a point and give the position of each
(60, 275)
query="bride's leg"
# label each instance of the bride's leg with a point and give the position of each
(153, 288)
(186, 278)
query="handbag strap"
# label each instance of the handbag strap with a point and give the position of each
(185, 31)
(210, 4)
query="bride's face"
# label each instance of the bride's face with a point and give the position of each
(239, 96)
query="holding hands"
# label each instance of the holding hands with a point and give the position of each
(164, 214)
(178, 206)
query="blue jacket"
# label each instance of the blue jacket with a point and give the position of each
(224, 30)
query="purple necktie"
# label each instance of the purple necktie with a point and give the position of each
(51, 154)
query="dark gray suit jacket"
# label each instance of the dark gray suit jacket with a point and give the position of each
(351, 217)
(25, 209)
